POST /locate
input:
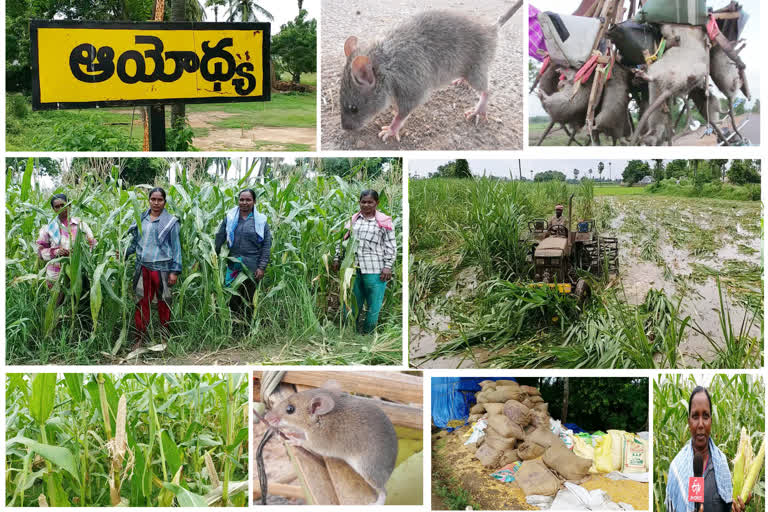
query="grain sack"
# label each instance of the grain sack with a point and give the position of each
(474, 417)
(507, 383)
(634, 454)
(496, 440)
(530, 450)
(544, 437)
(617, 448)
(477, 409)
(506, 427)
(539, 418)
(565, 463)
(542, 407)
(508, 457)
(494, 408)
(481, 397)
(533, 477)
(535, 399)
(489, 457)
(502, 394)
(517, 412)
(530, 390)
(487, 384)
(528, 403)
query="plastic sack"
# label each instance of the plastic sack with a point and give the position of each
(617, 448)
(635, 455)
(478, 431)
(674, 11)
(584, 450)
(603, 457)
(569, 39)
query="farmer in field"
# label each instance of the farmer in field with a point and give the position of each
(249, 240)
(158, 261)
(718, 489)
(557, 219)
(56, 238)
(374, 256)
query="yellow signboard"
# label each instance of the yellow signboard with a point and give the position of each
(88, 64)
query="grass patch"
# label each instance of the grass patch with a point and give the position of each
(284, 109)
(452, 493)
(306, 78)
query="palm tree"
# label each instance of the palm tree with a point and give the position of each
(215, 4)
(576, 174)
(247, 10)
(600, 168)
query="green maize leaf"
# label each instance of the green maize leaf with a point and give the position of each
(57, 455)
(96, 295)
(185, 497)
(75, 386)
(26, 180)
(171, 452)
(43, 396)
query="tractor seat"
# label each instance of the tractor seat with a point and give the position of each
(551, 247)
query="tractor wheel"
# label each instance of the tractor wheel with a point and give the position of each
(582, 291)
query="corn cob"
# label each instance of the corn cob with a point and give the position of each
(739, 463)
(754, 472)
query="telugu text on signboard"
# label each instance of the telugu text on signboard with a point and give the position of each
(86, 64)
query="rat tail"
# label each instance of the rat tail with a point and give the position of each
(511, 12)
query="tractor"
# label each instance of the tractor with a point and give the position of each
(557, 253)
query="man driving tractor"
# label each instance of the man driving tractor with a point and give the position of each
(557, 220)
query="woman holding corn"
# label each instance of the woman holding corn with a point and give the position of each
(374, 256)
(249, 239)
(158, 261)
(56, 238)
(718, 489)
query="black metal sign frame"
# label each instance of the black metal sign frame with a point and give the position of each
(34, 25)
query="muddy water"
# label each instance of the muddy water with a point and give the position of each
(701, 301)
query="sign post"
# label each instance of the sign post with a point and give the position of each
(111, 64)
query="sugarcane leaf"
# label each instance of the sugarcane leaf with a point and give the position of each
(171, 452)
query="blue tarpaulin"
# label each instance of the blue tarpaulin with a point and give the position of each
(576, 429)
(453, 396)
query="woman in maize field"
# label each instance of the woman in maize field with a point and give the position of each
(374, 256)
(249, 240)
(718, 488)
(56, 238)
(158, 261)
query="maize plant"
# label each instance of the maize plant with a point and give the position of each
(295, 314)
(738, 415)
(126, 440)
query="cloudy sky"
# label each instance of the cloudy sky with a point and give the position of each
(751, 55)
(502, 168)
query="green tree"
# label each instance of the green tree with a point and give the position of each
(635, 171)
(576, 174)
(658, 169)
(549, 176)
(756, 106)
(600, 167)
(247, 10)
(677, 169)
(462, 169)
(42, 165)
(742, 172)
(295, 46)
(215, 4)
(740, 108)
(447, 170)
(143, 171)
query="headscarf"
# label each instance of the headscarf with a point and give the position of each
(233, 217)
(384, 222)
(166, 221)
(681, 470)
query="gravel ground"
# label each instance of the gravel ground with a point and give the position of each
(439, 124)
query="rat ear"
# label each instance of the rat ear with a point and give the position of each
(320, 404)
(350, 45)
(362, 71)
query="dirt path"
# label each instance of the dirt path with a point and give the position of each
(276, 138)
(439, 124)
(261, 138)
(697, 138)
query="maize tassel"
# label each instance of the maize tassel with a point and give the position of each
(754, 472)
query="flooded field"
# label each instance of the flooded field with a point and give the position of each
(665, 302)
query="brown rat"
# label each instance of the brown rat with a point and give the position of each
(334, 424)
(428, 51)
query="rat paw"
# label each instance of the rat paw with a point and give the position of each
(387, 131)
(476, 114)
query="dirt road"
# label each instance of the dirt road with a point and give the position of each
(439, 124)
(263, 138)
